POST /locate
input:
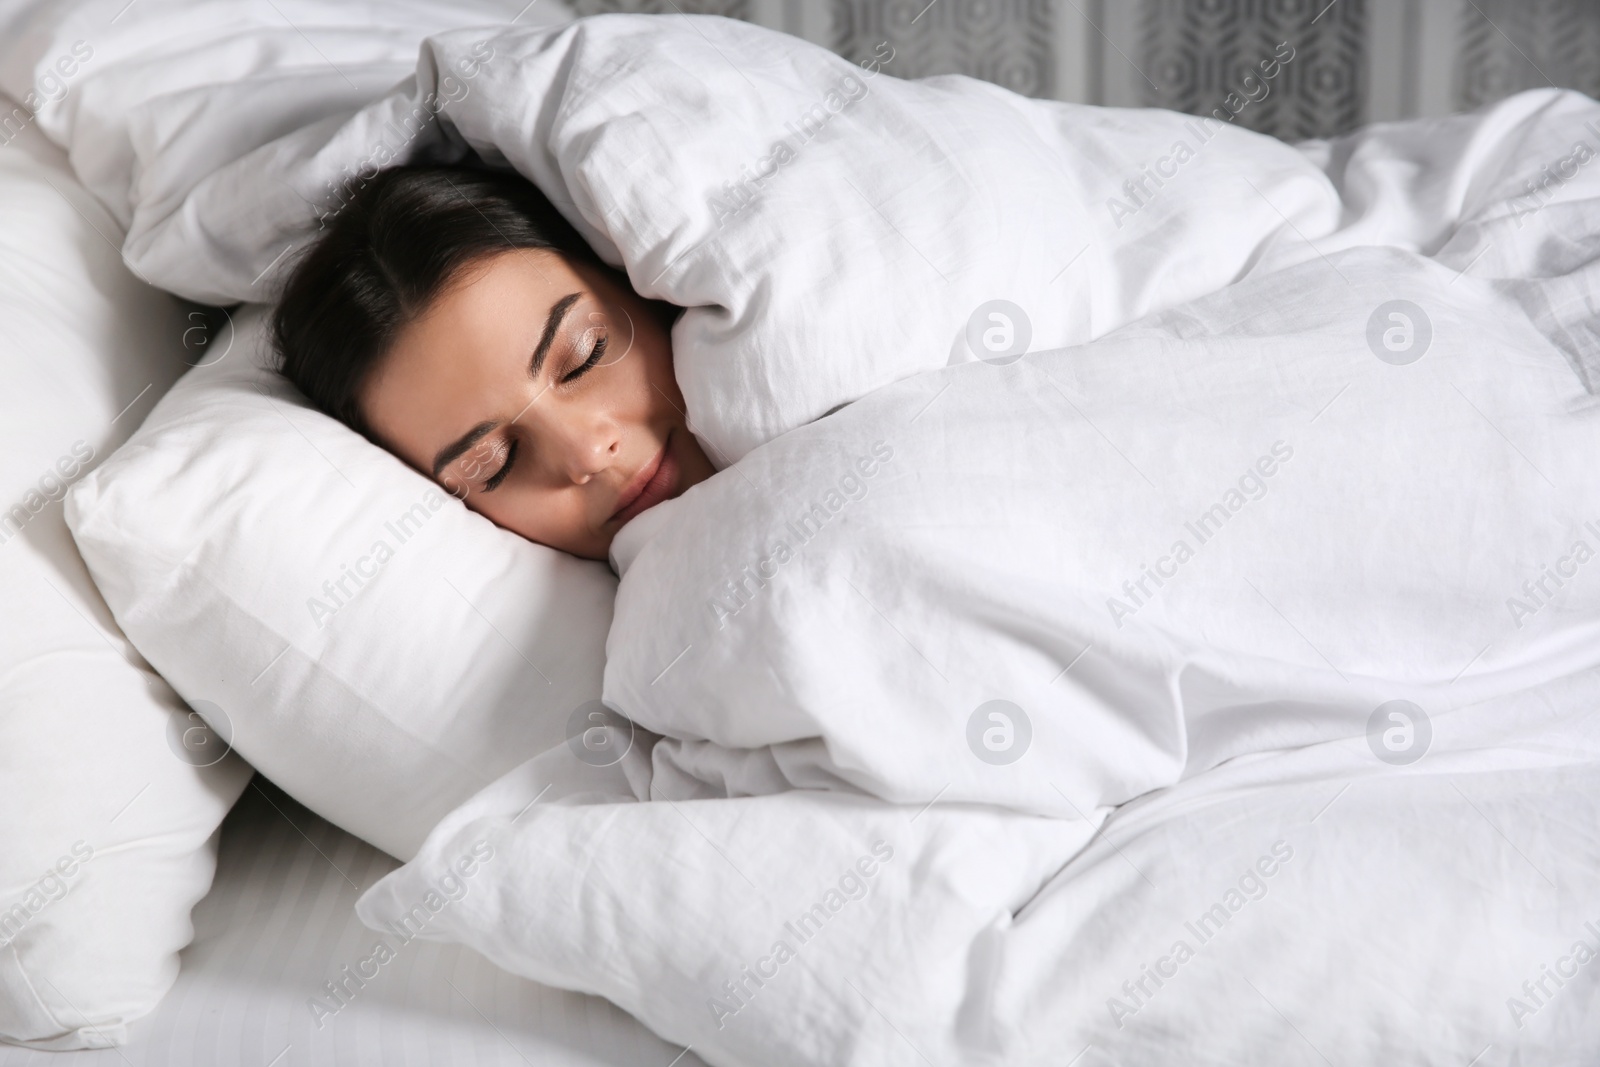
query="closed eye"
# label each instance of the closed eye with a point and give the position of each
(499, 476)
(595, 353)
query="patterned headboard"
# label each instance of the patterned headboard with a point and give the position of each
(1334, 65)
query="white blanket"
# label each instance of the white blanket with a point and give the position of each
(1309, 907)
(1310, 870)
(1229, 528)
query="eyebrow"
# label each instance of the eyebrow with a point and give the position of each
(454, 450)
(552, 323)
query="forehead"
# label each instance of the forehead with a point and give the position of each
(523, 279)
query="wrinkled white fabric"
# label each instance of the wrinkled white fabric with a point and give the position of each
(1302, 907)
(1228, 528)
(185, 86)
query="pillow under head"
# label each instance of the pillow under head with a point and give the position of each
(362, 638)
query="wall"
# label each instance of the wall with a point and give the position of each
(1355, 60)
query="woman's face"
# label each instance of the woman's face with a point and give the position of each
(541, 393)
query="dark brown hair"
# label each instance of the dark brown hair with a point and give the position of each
(401, 238)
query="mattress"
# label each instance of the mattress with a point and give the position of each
(278, 925)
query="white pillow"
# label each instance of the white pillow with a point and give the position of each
(255, 71)
(374, 647)
(112, 792)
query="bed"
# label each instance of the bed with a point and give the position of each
(279, 923)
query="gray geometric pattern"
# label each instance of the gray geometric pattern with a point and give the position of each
(1008, 42)
(1197, 52)
(1192, 54)
(733, 9)
(1506, 46)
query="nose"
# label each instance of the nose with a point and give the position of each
(581, 448)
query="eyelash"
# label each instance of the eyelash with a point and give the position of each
(595, 353)
(499, 476)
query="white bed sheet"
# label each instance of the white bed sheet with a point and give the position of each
(279, 922)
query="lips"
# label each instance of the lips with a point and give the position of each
(653, 484)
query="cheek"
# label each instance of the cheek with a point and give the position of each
(557, 518)
(624, 404)
(653, 352)
(550, 517)
(636, 389)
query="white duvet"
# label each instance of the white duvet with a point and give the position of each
(1226, 529)
(1214, 681)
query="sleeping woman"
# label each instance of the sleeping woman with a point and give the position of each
(453, 317)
